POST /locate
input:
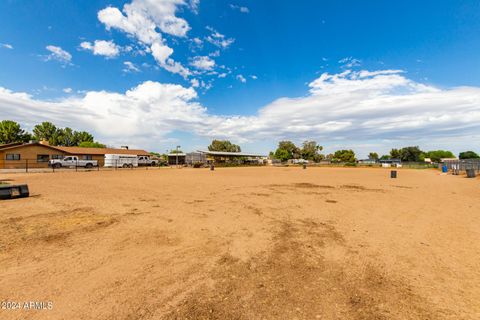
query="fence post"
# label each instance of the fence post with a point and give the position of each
(76, 166)
(26, 165)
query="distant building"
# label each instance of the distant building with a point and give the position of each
(391, 162)
(239, 157)
(37, 154)
(176, 158)
(195, 157)
(367, 161)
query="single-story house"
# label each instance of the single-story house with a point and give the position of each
(37, 154)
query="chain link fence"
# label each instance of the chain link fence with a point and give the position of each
(463, 165)
(33, 165)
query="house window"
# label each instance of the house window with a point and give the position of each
(57, 156)
(43, 157)
(13, 156)
(87, 157)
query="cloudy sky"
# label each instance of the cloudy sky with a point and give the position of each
(153, 74)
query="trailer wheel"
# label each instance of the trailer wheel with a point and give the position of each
(130, 165)
(125, 165)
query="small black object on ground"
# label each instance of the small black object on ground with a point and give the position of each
(393, 174)
(304, 166)
(212, 167)
(14, 191)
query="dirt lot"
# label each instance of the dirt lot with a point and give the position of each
(242, 243)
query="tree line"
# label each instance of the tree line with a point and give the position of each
(311, 150)
(12, 132)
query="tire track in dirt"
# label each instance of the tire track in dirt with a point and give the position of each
(299, 279)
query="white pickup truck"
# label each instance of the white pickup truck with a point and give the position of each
(72, 161)
(147, 161)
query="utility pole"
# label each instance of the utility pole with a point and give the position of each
(177, 155)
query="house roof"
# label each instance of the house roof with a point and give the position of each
(79, 150)
(8, 145)
(237, 154)
(23, 145)
(102, 151)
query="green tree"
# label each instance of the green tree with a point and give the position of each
(436, 155)
(468, 155)
(411, 154)
(282, 155)
(57, 138)
(395, 154)
(88, 144)
(44, 131)
(344, 156)
(311, 151)
(11, 131)
(68, 138)
(224, 146)
(287, 150)
(385, 157)
(373, 156)
(82, 136)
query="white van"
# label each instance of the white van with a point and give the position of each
(121, 161)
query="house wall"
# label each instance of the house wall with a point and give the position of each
(28, 154)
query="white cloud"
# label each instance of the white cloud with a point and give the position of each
(239, 8)
(254, 77)
(222, 75)
(215, 53)
(218, 39)
(6, 46)
(203, 63)
(161, 52)
(102, 48)
(142, 18)
(58, 54)
(241, 78)
(197, 41)
(194, 4)
(130, 67)
(349, 62)
(195, 83)
(67, 90)
(381, 108)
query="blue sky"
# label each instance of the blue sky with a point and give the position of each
(247, 71)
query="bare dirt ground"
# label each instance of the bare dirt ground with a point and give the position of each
(243, 243)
